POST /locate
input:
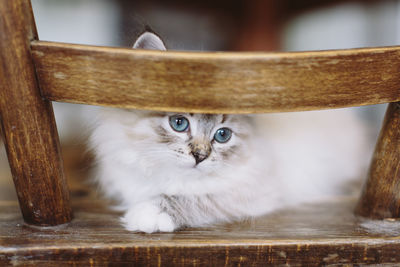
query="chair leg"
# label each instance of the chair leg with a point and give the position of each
(381, 194)
(28, 123)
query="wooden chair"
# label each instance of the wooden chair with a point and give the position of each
(33, 73)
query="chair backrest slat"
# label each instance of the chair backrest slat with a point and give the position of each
(217, 82)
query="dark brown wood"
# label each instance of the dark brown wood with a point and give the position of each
(381, 193)
(260, 28)
(217, 82)
(29, 128)
(309, 235)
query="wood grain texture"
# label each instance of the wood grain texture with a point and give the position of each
(217, 82)
(28, 122)
(310, 235)
(321, 234)
(381, 194)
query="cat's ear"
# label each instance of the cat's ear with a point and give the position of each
(149, 40)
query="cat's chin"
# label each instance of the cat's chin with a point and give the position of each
(203, 170)
(191, 166)
(188, 166)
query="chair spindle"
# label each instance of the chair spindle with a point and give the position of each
(28, 123)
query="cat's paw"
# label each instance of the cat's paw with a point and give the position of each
(147, 218)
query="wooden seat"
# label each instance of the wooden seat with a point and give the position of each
(35, 72)
(312, 235)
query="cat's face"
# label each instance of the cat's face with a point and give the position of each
(198, 142)
(202, 141)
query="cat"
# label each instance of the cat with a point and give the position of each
(173, 170)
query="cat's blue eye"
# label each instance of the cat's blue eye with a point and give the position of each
(179, 123)
(223, 135)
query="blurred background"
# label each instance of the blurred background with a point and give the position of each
(224, 25)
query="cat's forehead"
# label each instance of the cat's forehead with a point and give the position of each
(204, 123)
(207, 120)
(207, 117)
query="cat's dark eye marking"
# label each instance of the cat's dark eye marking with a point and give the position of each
(230, 152)
(164, 136)
(225, 155)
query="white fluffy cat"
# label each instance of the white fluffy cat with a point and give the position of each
(171, 170)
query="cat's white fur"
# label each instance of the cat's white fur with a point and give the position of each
(271, 161)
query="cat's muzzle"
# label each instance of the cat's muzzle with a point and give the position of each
(200, 151)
